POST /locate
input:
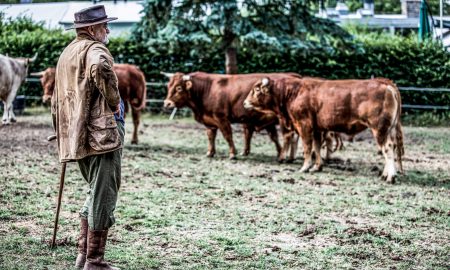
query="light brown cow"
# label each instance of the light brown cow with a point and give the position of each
(132, 88)
(217, 101)
(349, 106)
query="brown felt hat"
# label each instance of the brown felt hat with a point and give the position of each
(90, 16)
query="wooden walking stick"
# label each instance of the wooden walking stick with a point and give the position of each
(61, 187)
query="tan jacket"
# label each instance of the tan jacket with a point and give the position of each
(85, 96)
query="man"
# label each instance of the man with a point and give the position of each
(88, 131)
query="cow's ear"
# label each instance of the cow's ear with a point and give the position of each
(188, 85)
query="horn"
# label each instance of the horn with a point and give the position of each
(33, 58)
(265, 81)
(186, 77)
(37, 74)
(168, 75)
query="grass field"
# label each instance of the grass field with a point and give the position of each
(180, 210)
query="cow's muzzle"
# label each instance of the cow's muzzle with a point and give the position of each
(169, 104)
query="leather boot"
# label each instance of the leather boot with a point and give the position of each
(82, 244)
(96, 251)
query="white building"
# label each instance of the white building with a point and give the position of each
(407, 20)
(61, 14)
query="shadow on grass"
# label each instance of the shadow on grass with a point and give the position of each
(335, 165)
(166, 149)
(422, 178)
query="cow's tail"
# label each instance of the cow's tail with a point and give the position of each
(399, 133)
(400, 151)
(143, 90)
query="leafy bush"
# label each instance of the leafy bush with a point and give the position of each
(403, 60)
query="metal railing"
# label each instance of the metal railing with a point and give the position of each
(401, 88)
(424, 89)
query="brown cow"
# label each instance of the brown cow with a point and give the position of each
(348, 106)
(132, 89)
(217, 101)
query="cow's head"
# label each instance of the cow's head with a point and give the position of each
(24, 63)
(47, 81)
(178, 90)
(260, 97)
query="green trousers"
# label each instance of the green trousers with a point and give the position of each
(103, 174)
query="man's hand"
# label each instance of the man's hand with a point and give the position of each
(117, 109)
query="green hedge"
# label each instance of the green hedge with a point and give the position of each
(400, 59)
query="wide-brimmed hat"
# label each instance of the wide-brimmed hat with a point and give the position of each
(90, 16)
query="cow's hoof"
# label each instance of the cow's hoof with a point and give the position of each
(304, 169)
(390, 179)
(210, 154)
(134, 142)
(5, 123)
(245, 153)
(13, 120)
(280, 160)
(232, 157)
(290, 160)
(316, 169)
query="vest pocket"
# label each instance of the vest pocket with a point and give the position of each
(103, 133)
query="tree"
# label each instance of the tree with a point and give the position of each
(204, 28)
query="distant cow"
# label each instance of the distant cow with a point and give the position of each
(217, 101)
(132, 89)
(348, 106)
(13, 72)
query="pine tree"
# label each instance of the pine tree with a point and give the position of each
(198, 28)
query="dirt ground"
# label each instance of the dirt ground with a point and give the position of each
(181, 210)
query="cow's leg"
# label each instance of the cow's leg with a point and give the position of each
(317, 143)
(273, 134)
(227, 133)
(389, 171)
(327, 143)
(307, 140)
(293, 145)
(126, 109)
(287, 140)
(5, 113)
(248, 133)
(136, 114)
(9, 101)
(385, 142)
(12, 116)
(8, 113)
(211, 133)
(339, 142)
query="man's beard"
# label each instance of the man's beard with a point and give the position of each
(105, 40)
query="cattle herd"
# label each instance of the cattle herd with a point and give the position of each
(313, 109)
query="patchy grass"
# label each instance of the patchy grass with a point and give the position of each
(181, 210)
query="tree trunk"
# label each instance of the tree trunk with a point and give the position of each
(231, 61)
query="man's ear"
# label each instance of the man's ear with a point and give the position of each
(91, 29)
(188, 85)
